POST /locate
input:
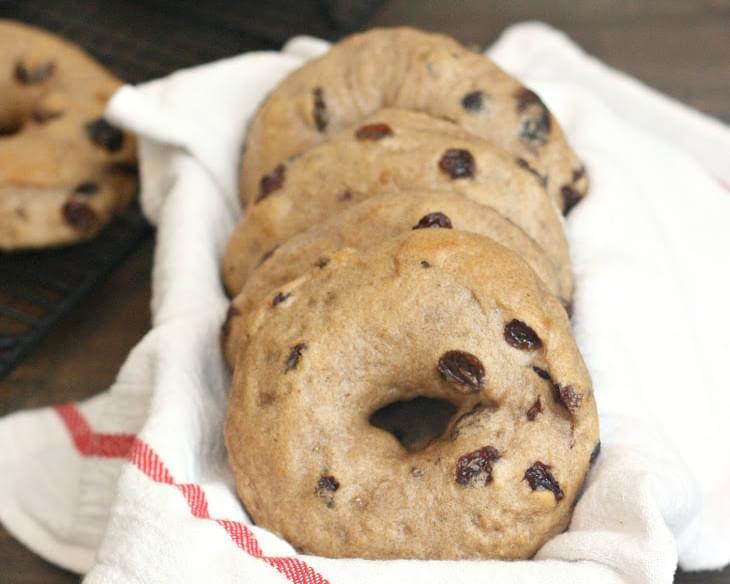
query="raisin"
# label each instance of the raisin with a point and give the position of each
(522, 163)
(32, 75)
(322, 262)
(325, 485)
(10, 128)
(231, 313)
(567, 396)
(42, 116)
(571, 198)
(536, 130)
(80, 215)
(596, 452)
(536, 120)
(543, 374)
(562, 394)
(425, 264)
(436, 219)
(527, 98)
(521, 336)
(345, 196)
(266, 255)
(457, 163)
(463, 369)
(279, 298)
(541, 479)
(373, 132)
(477, 464)
(293, 359)
(473, 101)
(271, 182)
(87, 188)
(124, 167)
(579, 173)
(319, 112)
(534, 410)
(103, 134)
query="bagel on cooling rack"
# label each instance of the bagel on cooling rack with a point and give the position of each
(436, 314)
(64, 170)
(413, 70)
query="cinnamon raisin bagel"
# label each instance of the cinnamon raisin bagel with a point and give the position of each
(413, 70)
(369, 222)
(64, 170)
(433, 314)
(390, 151)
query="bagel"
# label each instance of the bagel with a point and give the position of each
(408, 69)
(390, 151)
(432, 314)
(374, 220)
(64, 170)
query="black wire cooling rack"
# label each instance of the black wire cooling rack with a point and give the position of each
(138, 40)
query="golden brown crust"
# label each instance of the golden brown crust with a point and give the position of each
(63, 170)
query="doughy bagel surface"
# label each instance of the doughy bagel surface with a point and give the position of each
(372, 328)
(64, 171)
(408, 69)
(413, 154)
(368, 223)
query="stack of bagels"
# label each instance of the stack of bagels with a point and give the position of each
(405, 380)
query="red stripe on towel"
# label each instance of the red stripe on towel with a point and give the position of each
(141, 454)
(88, 442)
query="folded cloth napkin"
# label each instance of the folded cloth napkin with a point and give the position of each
(132, 485)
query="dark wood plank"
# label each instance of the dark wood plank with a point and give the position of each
(715, 577)
(77, 360)
(681, 47)
(81, 356)
(18, 565)
(83, 353)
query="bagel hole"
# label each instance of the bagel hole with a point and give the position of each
(416, 422)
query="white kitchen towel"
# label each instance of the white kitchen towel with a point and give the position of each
(132, 485)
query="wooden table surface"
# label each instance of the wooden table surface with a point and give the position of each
(681, 47)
